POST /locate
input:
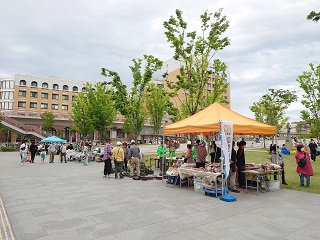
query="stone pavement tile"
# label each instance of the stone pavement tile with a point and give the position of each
(211, 215)
(180, 223)
(110, 237)
(22, 197)
(25, 207)
(272, 211)
(72, 235)
(51, 208)
(111, 216)
(264, 231)
(28, 232)
(144, 219)
(306, 214)
(68, 225)
(236, 236)
(34, 221)
(84, 212)
(102, 230)
(144, 233)
(43, 199)
(304, 233)
(220, 228)
(14, 203)
(189, 234)
(248, 219)
(20, 215)
(289, 222)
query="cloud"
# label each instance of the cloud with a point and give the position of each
(271, 41)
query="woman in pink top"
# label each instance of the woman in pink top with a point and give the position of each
(306, 171)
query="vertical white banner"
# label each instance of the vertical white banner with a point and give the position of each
(226, 139)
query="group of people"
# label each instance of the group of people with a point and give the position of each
(122, 155)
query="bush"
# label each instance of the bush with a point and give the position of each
(8, 149)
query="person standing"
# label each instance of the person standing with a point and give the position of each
(233, 170)
(313, 150)
(188, 155)
(23, 153)
(33, 151)
(134, 161)
(52, 151)
(127, 154)
(201, 154)
(241, 164)
(162, 153)
(107, 158)
(63, 152)
(118, 156)
(306, 171)
(85, 155)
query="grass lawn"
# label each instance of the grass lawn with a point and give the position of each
(292, 178)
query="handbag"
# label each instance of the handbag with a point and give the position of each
(302, 161)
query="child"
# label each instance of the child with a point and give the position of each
(43, 155)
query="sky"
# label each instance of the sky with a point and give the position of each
(272, 42)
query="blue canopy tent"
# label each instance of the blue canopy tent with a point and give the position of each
(53, 139)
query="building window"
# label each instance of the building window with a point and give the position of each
(33, 94)
(75, 89)
(33, 105)
(64, 107)
(22, 93)
(54, 106)
(74, 98)
(23, 83)
(21, 104)
(34, 84)
(209, 85)
(45, 85)
(65, 97)
(83, 89)
(225, 97)
(55, 96)
(44, 95)
(55, 86)
(65, 87)
(44, 105)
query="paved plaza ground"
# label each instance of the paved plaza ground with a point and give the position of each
(72, 201)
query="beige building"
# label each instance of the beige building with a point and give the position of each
(172, 68)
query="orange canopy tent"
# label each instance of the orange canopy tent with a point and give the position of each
(208, 121)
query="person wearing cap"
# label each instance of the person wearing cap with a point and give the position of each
(107, 158)
(134, 161)
(118, 157)
(241, 164)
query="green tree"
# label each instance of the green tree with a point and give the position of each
(314, 16)
(47, 120)
(196, 52)
(131, 106)
(101, 106)
(81, 115)
(271, 107)
(310, 83)
(157, 104)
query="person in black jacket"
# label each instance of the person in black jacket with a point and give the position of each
(233, 169)
(33, 150)
(241, 164)
(313, 150)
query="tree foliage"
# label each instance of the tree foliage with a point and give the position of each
(101, 106)
(271, 107)
(47, 120)
(157, 102)
(131, 105)
(81, 115)
(314, 16)
(310, 83)
(196, 52)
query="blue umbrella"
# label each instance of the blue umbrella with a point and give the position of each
(53, 139)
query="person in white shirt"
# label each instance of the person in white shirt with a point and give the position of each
(23, 152)
(63, 148)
